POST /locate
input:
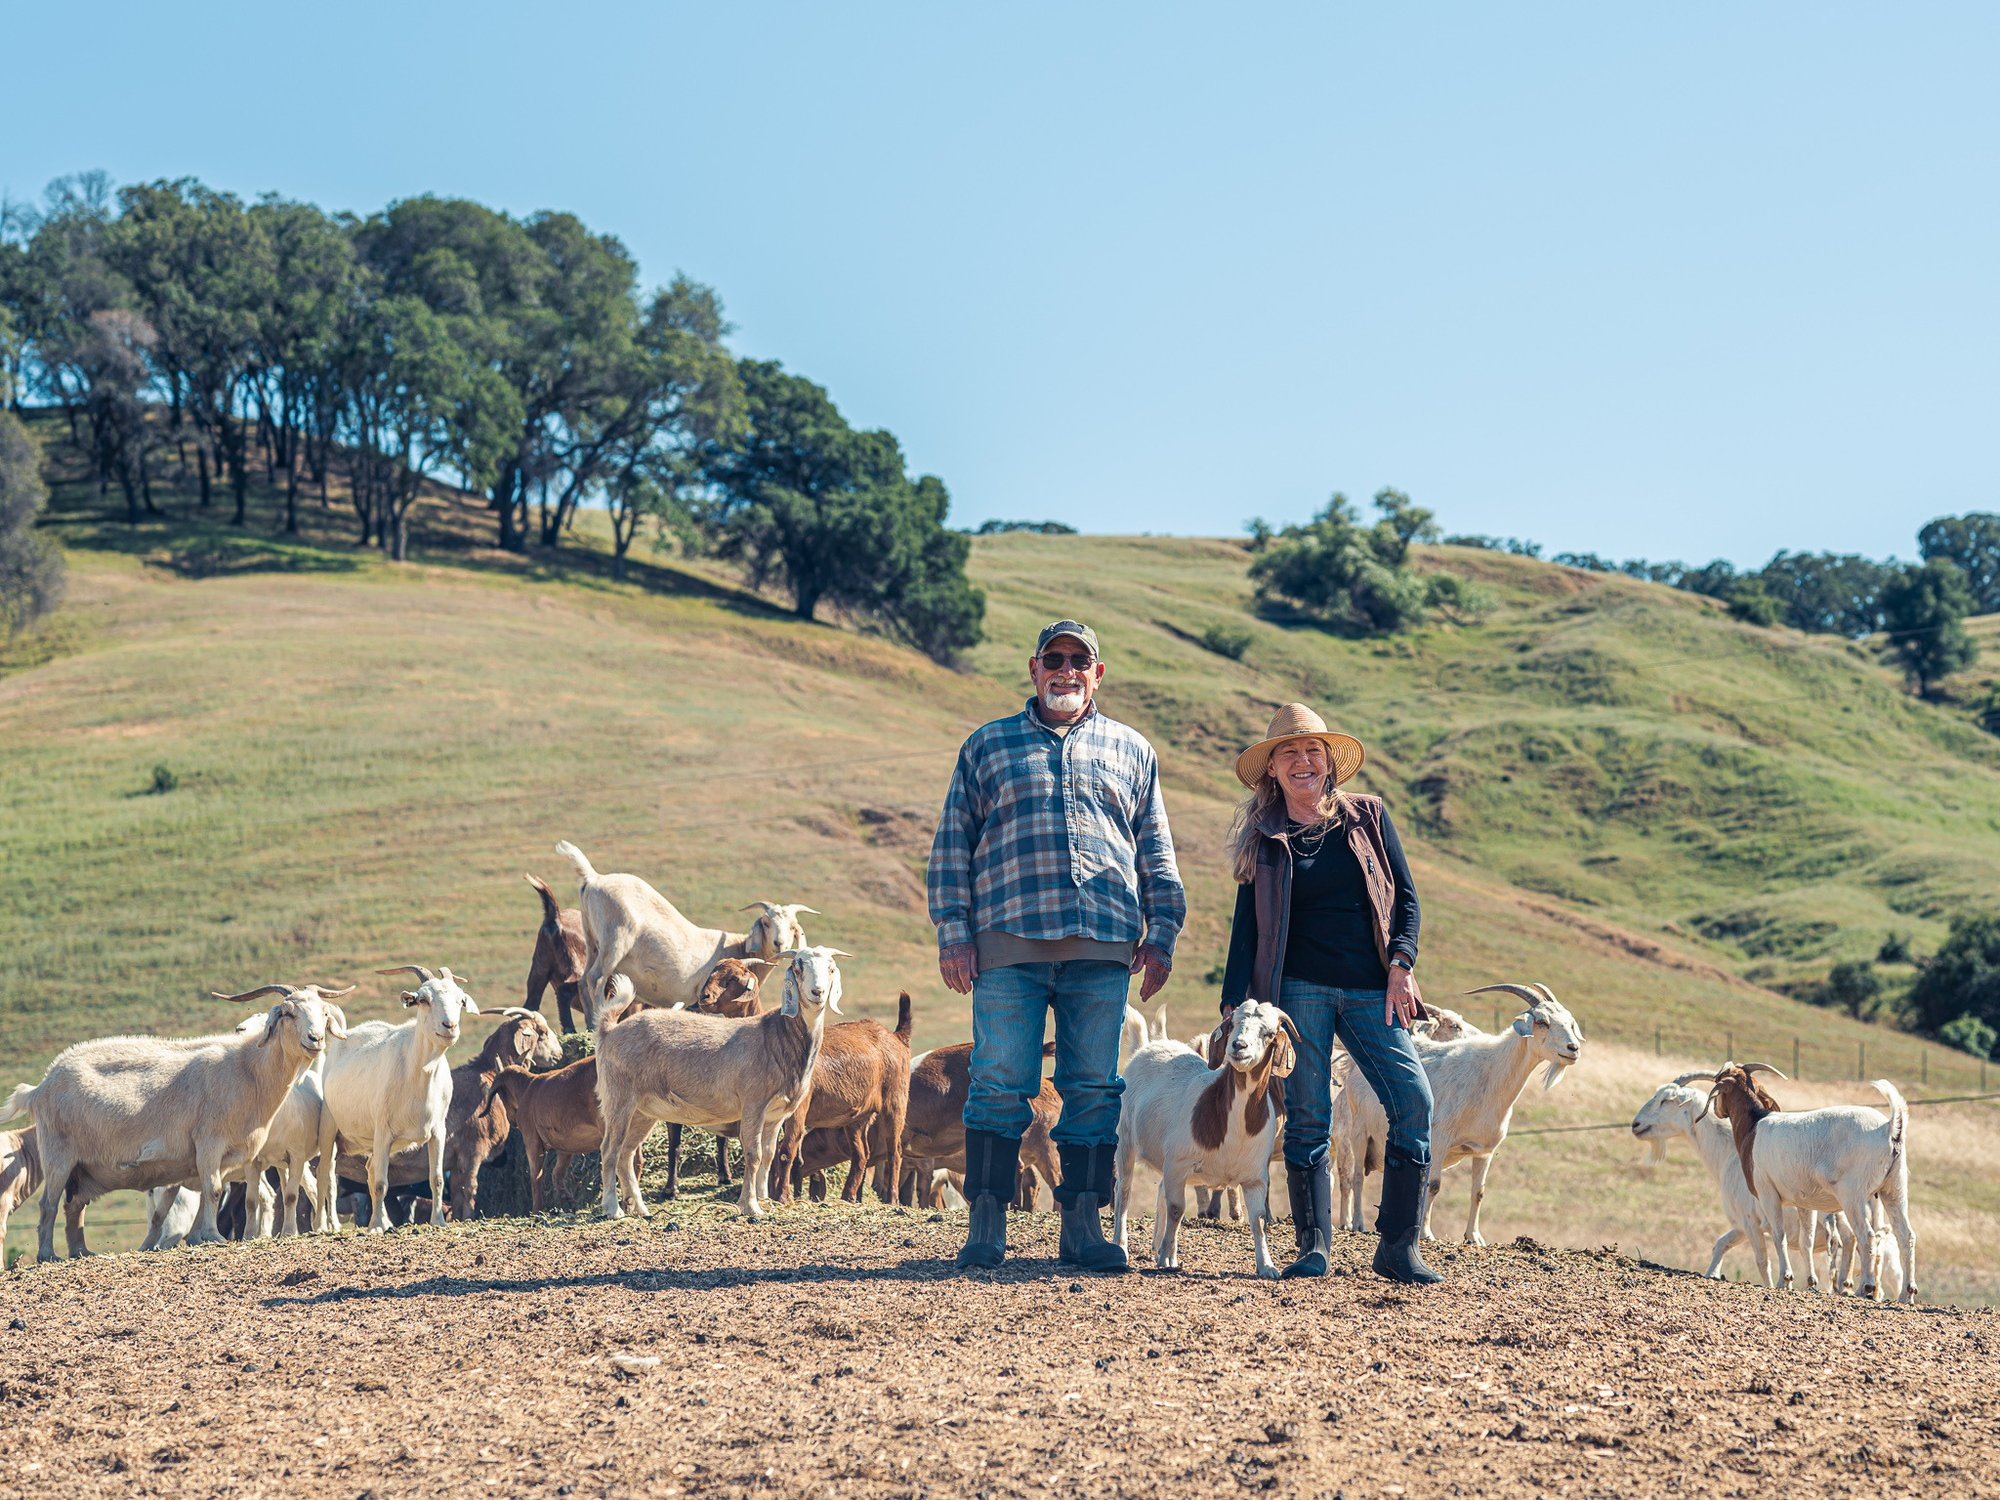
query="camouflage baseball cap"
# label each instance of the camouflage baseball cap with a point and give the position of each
(1067, 627)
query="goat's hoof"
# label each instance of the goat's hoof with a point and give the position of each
(1475, 1239)
(1268, 1273)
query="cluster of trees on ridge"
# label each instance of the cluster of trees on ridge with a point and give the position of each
(1357, 578)
(440, 340)
(1919, 606)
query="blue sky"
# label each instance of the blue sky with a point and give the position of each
(1668, 281)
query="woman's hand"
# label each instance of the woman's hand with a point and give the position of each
(1405, 1002)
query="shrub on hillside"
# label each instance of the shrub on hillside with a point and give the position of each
(1963, 979)
(1227, 640)
(1750, 603)
(1895, 949)
(1854, 987)
(31, 569)
(1969, 1034)
(1342, 573)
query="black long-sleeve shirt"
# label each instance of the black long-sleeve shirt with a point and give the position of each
(1331, 937)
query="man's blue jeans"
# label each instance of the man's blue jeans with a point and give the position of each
(1010, 1009)
(1384, 1053)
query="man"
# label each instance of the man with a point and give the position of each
(1052, 881)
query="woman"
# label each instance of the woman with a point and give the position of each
(1326, 928)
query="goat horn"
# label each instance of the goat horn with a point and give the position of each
(328, 992)
(512, 1012)
(839, 952)
(417, 969)
(1521, 990)
(768, 907)
(262, 989)
(1687, 1078)
(811, 911)
(1547, 993)
(1286, 1022)
(1763, 1068)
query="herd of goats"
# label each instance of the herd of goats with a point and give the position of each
(294, 1100)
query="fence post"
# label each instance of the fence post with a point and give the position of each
(1925, 1064)
(1795, 1057)
(1730, 1049)
(1861, 1060)
(1656, 1041)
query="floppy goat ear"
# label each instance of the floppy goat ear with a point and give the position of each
(415, 997)
(271, 1018)
(1287, 1045)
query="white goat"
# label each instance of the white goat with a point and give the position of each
(1676, 1108)
(139, 1112)
(388, 1087)
(1839, 1159)
(631, 929)
(1475, 1081)
(1207, 1127)
(710, 1072)
(20, 1175)
(292, 1142)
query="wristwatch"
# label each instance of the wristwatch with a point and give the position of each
(1404, 964)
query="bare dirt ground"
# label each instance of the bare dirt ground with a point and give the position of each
(833, 1352)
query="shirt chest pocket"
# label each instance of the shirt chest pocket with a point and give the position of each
(1108, 781)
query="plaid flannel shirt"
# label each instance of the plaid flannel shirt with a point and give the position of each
(1049, 836)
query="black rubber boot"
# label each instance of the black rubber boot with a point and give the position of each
(1312, 1217)
(992, 1163)
(1401, 1223)
(1083, 1194)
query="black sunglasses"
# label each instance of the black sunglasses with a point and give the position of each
(1053, 660)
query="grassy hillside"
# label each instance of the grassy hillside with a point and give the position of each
(1606, 786)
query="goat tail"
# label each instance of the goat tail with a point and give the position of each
(1899, 1121)
(1133, 1034)
(551, 911)
(585, 871)
(20, 1104)
(620, 1001)
(903, 1017)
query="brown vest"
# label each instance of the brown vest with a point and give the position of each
(1361, 822)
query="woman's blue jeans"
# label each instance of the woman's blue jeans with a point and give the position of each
(1384, 1053)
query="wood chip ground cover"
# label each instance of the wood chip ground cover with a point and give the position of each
(832, 1354)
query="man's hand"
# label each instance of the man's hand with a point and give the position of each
(1405, 1002)
(1157, 966)
(959, 964)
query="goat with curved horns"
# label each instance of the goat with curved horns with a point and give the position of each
(1475, 1081)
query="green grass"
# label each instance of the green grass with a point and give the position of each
(1605, 785)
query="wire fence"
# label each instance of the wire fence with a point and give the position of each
(1914, 1065)
(1627, 1124)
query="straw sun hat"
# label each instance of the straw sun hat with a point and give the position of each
(1296, 721)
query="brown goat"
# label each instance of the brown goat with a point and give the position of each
(1738, 1098)
(558, 1116)
(862, 1075)
(729, 990)
(934, 1127)
(559, 956)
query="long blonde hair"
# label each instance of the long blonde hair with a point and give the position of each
(1246, 828)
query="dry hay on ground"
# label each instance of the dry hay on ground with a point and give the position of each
(825, 1352)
